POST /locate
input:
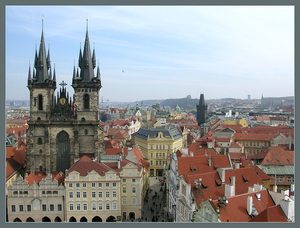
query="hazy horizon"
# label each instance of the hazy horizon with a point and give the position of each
(221, 51)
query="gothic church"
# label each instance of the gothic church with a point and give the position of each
(61, 128)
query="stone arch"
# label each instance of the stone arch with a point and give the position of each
(86, 101)
(40, 102)
(17, 220)
(62, 151)
(111, 219)
(97, 219)
(46, 219)
(72, 219)
(132, 216)
(29, 219)
(57, 219)
(83, 219)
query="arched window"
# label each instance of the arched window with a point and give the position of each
(40, 141)
(86, 101)
(40, 100)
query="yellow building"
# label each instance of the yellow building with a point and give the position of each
(157, 144)
(242, 122)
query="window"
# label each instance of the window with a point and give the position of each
(44, 207)
(107, 194)
(84, 185)
(93, 185)
(78, 207)
(100, 185)
(107, 206)
(107, 185)
(13, 208)
(51, 207)
(280, 179)
(71, 207)
(133, 180)
(133, 189)
(94, 206)
(28, 207)
(55, 192)
(77, 185)
(86, 131)
(133, 200)
(84, 206)
(93, 194)
(114, 184)
(114, 205)
(40, 141)
(43, 192)
(78, 194)
(124, 189)
(70, 185)
(15, 193)
(114, 194)
(151, 162)
(100, 205)
(124, 180)
(84, 194)
(86, 101)
(290, 179)
(59, 207)
(40, 100)
(124, 201)
(71, 194)
(100, 194)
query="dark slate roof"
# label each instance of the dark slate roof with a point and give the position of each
(169, 131)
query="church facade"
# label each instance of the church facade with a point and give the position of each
(63, 128)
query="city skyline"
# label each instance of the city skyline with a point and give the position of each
(136, 49)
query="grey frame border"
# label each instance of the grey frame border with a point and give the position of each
(4, 3)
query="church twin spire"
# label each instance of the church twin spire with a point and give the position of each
(42, 71)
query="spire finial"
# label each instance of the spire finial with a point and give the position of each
(42, 23)
(87, 25)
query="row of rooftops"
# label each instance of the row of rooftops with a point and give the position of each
(168, 132)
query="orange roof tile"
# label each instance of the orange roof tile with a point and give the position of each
(278, 156)
(85, 165)
(271, 214)
(236, 208)
(252, 137)
(35, 177)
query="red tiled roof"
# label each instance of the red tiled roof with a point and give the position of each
(278, 156)
(222, 139)
(271, 130)
(195, 148)
(35, 177)
(113, 151)
(235, 145)
(11, 168)
(252, 137)
(236, 155)
(139, 156)
(271, 214)
(85, 165)
(236, 128)
(236, 208)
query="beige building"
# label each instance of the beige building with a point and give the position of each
(157, 144)
(92, 192)
(37, 198)
(104, 191)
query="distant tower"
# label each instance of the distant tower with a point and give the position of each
(201, 111)
(249, 97)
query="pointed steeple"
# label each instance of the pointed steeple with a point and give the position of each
(77, 73)
(29, 74)
(80, 58)
(33, 74)
(94, 58)
(50, 73)
(87, 68)
(74, 73)
(98, 72)
(48, 59)
(36, 59)
(54, 74)
(41, 64)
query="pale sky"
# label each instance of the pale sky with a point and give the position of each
(164, 51)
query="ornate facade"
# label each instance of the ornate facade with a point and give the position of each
(62, 128)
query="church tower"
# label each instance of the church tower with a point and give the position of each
(61, 129)
(201, 111)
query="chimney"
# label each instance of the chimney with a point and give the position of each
(209, 161)
(233, 180)
(275, 188)
(237, 165)
(249, 205)
(290, 142)
(257, 187)
(192, 154)
(292, 187)
(230, 188)
(119, 164)
(258, 196)
(250, 189)
(221, 172)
